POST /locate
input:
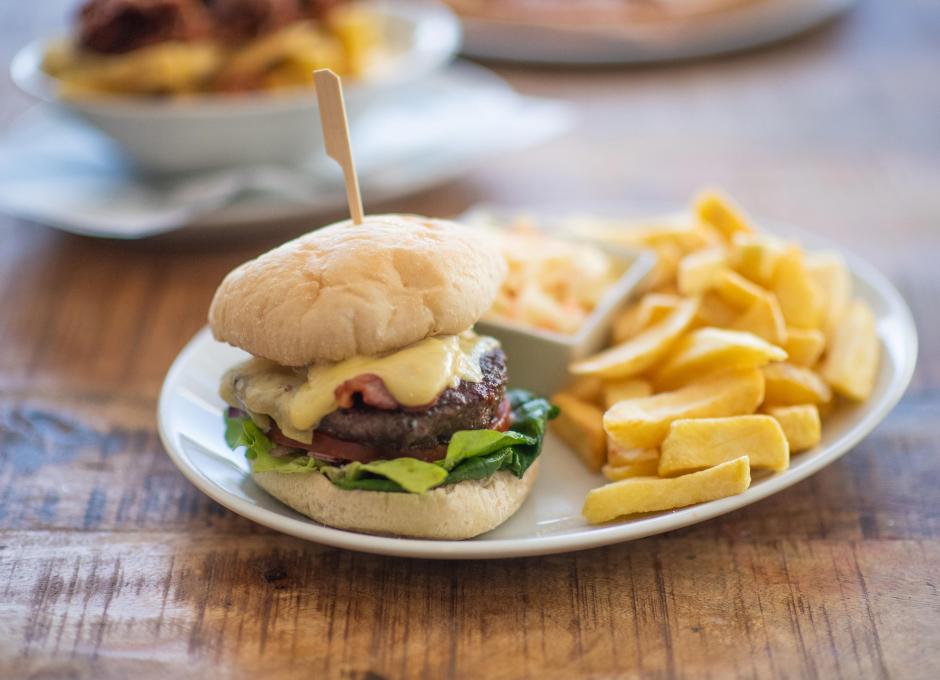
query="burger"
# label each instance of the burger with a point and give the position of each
(369, 403)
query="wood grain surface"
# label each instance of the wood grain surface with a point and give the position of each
(113, 566)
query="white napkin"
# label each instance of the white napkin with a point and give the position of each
(56, 170)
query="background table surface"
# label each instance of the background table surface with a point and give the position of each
(112, 564)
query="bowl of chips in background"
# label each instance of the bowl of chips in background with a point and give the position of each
(147, 100)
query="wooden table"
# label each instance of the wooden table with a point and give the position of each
(112, 565)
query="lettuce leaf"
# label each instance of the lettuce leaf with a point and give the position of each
(366, 484)
(242, 431)
(268, 463)
(471, 454)
(480, 467)
(530, 416)
(411, 474)
(471, 443)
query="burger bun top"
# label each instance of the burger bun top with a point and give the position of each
(347, 290)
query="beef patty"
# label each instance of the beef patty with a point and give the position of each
(468, 406)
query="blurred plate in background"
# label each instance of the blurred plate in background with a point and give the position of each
(59, 171)
(730, 27)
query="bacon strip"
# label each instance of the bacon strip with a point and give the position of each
(370, 388)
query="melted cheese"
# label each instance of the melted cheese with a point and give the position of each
(297, 400)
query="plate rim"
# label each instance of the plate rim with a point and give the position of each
(658, 42)
(591, 537)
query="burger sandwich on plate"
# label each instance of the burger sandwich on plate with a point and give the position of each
(369, 403)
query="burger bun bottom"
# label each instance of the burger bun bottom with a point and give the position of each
(452, 512)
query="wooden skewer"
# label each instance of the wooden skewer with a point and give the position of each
(336, 135)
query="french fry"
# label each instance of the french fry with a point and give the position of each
(851, 364)
(636, 355)
(688, 235)
(801, 425)
(716, 209)
(620, 457)
(161, 68)
(358, 32)
(738, 291)
(587, 388)
(669, 289)
(646, 468)
(697, 270)
(579, 425)
(664, 271)
(765, 319)
(651, 308)
(619, 390)
(705, 442)
(643, 423)
(801, 298)
(670, 238)
(832, 277)
(714, 311)
(708, 236)
(790, 385)
(653, 494)
(804, 346)
(709, 350)
(771, 327)
(622, 463)
(755, 256)
(762, 314)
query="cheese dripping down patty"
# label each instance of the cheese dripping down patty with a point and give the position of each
(297, 399)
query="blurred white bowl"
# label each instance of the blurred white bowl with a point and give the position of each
(214, 131)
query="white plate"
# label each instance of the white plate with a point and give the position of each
(58, 171)
(750, 25)
(190, 424)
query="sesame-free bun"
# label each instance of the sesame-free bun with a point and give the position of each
(346, 290)
(453, 512)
